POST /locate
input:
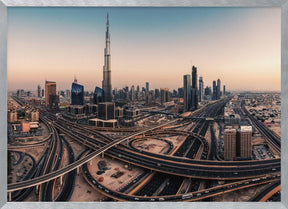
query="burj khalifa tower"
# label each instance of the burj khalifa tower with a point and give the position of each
(106, 82)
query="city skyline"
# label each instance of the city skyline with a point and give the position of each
(152, 52)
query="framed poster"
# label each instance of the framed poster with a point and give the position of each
(184, 110)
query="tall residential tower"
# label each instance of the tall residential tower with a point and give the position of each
(201, 89)
(244, 141)
(229, 143)
(77, 93)
(214, 95)
(39, 91)
(50, 89)
(106, 82)
(187, 92)
(194, 88)
(218, 89)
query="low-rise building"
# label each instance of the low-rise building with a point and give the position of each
(34, 115)
(113, 123)
(131, 113)
(75, 112)
(119, 112)
(12, 116)
(25, 127)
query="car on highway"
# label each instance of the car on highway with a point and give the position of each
(186, 196)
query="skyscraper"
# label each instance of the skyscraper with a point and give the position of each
(224, 90)
(229, 144)
(106, 110)
(175, 93)
(98, 95)
(50, 89)
(147, 86)
(244, 144)
(187, 92)
(39, 91)
(167, 95)
(218, 89)
(68, 93)
(181, 92)
(132, 93)
(62, 93)
(201, 89)
(208, 93)
(106, 82)
(194, 88)
(43, 92)
(164, 95)
(214, 95)
(137, 92)
(77, 93)
(127, 93)
(157, 93)
(150, 98)
(53, 101)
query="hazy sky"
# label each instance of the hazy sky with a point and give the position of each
(241, 46)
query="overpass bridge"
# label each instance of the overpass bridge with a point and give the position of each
(58, 173)
(202, 164)
(267, 192)
(187, 197)
(177, 115)
(154, 161)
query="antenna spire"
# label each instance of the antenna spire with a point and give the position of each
(107, 18)
(75, 79)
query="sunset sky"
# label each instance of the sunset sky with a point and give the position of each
(241, 46)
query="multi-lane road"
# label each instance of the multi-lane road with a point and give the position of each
(55, 174)
(270, 137)
(192, 196)
(179, 166)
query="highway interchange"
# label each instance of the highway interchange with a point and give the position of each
(176, 165)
